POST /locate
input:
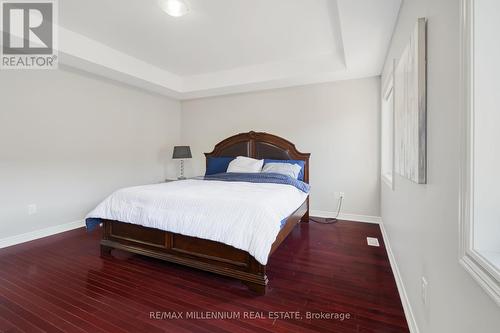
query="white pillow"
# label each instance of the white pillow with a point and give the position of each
(245, 164)
(291, 170)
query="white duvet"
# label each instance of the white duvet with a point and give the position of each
(241, 214)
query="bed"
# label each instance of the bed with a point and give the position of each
(206, 254)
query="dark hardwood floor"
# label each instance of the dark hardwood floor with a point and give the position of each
(60, 284)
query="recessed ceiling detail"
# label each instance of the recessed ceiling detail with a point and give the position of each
(226, 46)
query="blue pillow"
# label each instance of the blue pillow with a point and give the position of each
(217, 165)
(299, 162)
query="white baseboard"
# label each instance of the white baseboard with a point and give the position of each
(410, 318)
(32, 235)
(348, 217)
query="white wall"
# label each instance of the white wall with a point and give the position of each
(337, 123)
(422, 220)
(67, 140)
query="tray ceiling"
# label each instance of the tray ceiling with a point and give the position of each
(226, 46)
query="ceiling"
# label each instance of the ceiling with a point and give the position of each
(226, 46)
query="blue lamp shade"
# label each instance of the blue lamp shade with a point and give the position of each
(181, 152)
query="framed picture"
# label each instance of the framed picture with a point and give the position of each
(410, 113)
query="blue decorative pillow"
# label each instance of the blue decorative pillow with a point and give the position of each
(217, 165)
(299, 162)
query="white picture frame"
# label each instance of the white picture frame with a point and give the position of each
(410, 111)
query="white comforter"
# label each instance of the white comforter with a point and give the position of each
(244, 215)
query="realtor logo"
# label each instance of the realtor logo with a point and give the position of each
(28, 34)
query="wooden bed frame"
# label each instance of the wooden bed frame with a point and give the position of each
(206, 254)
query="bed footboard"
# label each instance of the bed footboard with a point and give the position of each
(194, 252)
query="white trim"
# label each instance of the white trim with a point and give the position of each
(410, 317)
(393, 126)
(32, 235)
(347, 217)
(469, 257)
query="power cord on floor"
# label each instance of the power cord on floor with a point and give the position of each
(330, 220)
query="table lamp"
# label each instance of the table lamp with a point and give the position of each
(181, 153)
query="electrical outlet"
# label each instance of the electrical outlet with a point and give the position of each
(32, 209)
(425, 287)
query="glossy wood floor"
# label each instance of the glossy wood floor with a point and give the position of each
(60, 284)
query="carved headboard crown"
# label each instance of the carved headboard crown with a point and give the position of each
(260, 145)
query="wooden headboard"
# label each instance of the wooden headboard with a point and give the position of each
(260, 145)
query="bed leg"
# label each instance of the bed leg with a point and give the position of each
(305, 218)
(106, 251)
(257, 288)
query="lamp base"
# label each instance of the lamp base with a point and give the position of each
(181, 177)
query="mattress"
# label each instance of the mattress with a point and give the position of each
(244, 211)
